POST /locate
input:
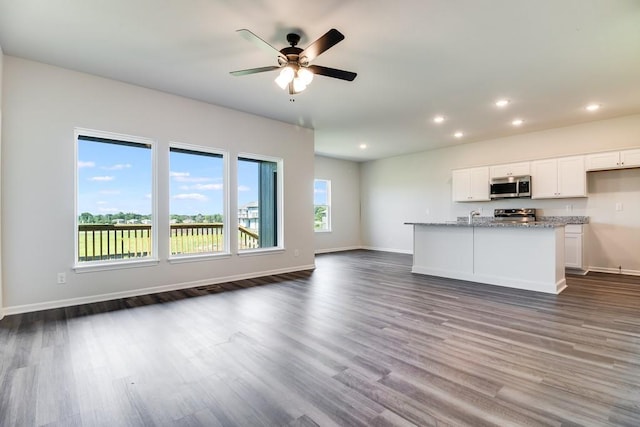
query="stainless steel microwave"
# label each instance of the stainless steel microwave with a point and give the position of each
(511, 187)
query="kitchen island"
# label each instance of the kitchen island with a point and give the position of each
(525, 256)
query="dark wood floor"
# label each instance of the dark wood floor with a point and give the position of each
(360, 341)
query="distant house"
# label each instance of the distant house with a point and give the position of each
(133, 221)
(146, 222)
(249, 216)
(118, 221)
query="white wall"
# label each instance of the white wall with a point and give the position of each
(614, 237)
(345, 204)
(403, 188)
(43, 105)
(1, 292)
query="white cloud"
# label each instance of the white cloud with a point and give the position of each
(186, 177)
(148, 195)
(117, 167)
(109, 210)
(243, 188)
(202, 187)
(110, 192)
(192, 179)
(101, 202)
(101, 178)
(208, 187)
(191, 196)
(82, 164)
(173, 174)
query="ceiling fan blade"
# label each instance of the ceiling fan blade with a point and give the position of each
(332, 72)
(329, 39)
(254, 70)
(249, 36)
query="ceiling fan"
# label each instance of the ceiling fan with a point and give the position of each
(296, 71)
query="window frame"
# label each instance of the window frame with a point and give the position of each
(328, 205)
(279, 247)
(153, 259)
(226, 235)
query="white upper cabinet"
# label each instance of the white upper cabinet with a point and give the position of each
(630, 158)
(511, 169)
(470, 185)
(613, 160)
(558, 178)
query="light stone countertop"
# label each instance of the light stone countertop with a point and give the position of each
(488, 221)
(492, 224)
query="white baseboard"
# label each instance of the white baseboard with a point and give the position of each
(614, 270)
(346, 248)
(397, 251)
(27, 308)
(576, 271)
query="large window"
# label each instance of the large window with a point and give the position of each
(114, 198)
(259, 216)
(322, 204)
(197, 201)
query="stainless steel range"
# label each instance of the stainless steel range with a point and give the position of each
(515, 215)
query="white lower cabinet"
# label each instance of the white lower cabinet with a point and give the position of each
(574, 247)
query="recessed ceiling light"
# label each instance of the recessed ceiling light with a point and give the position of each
(517, 122)
(438, 119)
(502, 103)
(458, 134)
(363, 146)
(592, 107)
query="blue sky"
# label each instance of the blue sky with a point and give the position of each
(320, 192)
(116, 178)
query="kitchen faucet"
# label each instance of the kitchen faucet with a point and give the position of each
(472, 214)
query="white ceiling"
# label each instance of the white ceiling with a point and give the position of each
(414, 59)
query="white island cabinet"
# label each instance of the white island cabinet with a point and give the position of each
(523, 256)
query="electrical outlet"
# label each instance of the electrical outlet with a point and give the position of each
(427, 211)
(62, 278)
(619, 207)
(569, 208)
(296, 252)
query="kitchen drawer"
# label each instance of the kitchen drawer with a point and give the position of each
(573, 228)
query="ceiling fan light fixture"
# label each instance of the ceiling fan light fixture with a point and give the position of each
(284, 78)
(299, 85)
(293, 61)
(306, 75)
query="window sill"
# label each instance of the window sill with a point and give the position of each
(179, 259)
(263, 251)
(322, 231)
(90, 267)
